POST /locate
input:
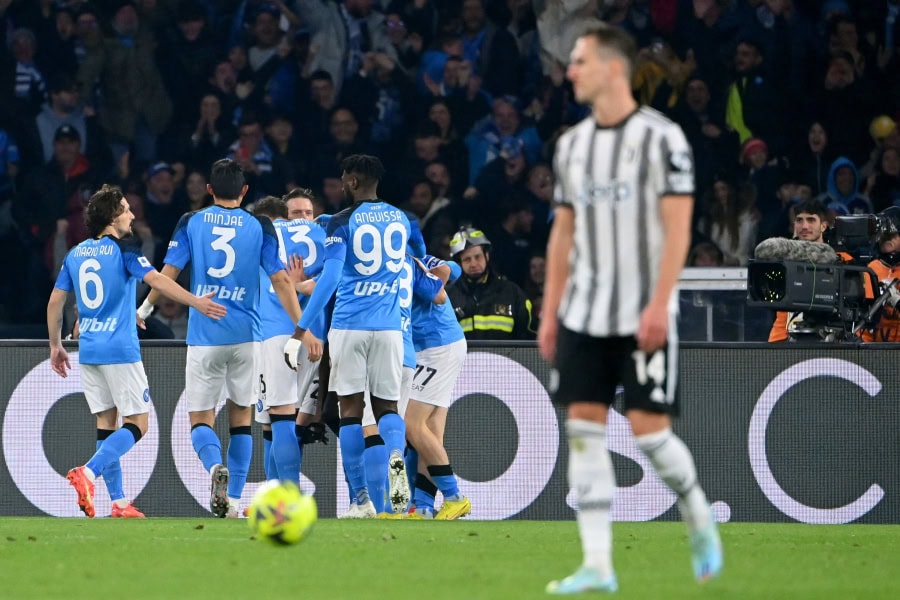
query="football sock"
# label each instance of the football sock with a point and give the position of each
(592, 477)
(375, 457)
(268, 463)
(412, 464)
(425, 492)
(114, 447)
(445, 480)
(206, 445)
(393, 432)
(112, 474)
(674, 464)
(352, 448)
(285, 449)
(240, 451)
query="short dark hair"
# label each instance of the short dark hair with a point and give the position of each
(103, 207)
(812, 207)
(365, 167)
(270, 206)
(300, 192)
(226, 179)
(618, 40)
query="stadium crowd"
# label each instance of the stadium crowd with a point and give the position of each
(781, 101)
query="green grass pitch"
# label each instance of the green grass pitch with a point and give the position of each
(207, 558)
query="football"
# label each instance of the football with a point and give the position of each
(281, 514)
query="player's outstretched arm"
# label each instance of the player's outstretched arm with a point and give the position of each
(149, 304)
(204, 304)
(59, 358)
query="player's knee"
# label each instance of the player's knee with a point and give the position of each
(589, 411)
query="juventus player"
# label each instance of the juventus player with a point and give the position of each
(620, 236)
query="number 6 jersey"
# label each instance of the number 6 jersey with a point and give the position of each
(226, 247)
(103, 274)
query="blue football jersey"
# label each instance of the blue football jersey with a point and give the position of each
(226, 248)
(433, 324)
(295, 238)
(369, 239)
(104, 273)
(416, 284)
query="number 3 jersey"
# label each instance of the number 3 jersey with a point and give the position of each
(103, 273)
(369, 238)
(226, 248)
(306, 240)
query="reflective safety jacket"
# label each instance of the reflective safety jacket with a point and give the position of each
(492, 308)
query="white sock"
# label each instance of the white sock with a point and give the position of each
(675, 465)
(121, 502)
(90, 474)
(212, 470)
(592, 477)
(234, 504)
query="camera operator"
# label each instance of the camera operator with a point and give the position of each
(810, 223)
(887, 268)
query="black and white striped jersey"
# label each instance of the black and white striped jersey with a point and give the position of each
(613, 178)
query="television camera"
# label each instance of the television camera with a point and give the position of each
(831, 285)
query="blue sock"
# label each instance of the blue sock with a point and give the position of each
(352, 448)
(240, 450)
(113, 447)
(112, 474)
(412, 465)
(268, 463)
(393, 431)
(425, 492)
(285, 450)
(206, 445)
(445, 481)
(375, 457)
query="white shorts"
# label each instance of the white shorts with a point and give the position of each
(210, 369)
(307, 383)
(366, 357)
(436, 372)
(122, 386)
(405, 386)
(278, 386)
(369, 415)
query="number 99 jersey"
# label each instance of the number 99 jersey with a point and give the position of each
(370, 239)
(226, 247)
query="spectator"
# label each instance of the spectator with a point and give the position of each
(135, 107)
(30, 86)
(842, 195)
(752, 100)
(188, 55)
(432, 212)
(162, 205)
(173, 315)
(453, 148)
(267, 173)
(63, 108)
(342, 34)
(764, 175)
(57, 54)
(314, 114)
(534, 285)
(210, 137)
(539, 192)
(512, 239)
(489, 135)
(730, 221)
(195, 189)
(714, 143)
(503, 177)
(487, 306)
(883, 186)
(814, 158)
(492, 50)
(408, 44)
